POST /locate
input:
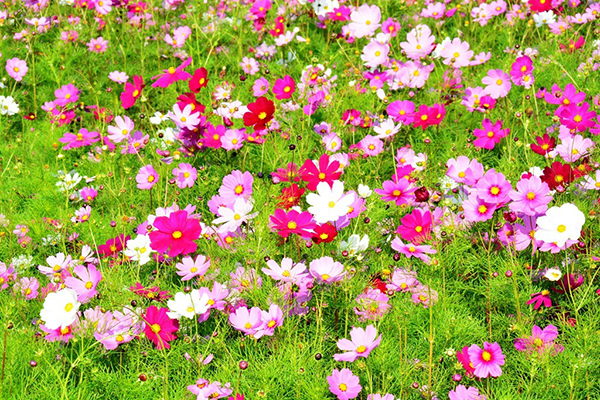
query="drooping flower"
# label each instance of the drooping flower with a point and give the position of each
(413, 250)
(175, 234)
(160, 329)
(362, 342)
(540, 298)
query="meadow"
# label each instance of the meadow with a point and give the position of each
(296, 199)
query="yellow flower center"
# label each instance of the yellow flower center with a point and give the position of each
(262, 115)
(171, 70)
(482, 209)
(325, 277)
(239, 189)
(69, 307)
(177, 234)
(561, 228)
(361, 349)
(88, 285)
(486, 356)
(155, 328)
(495, 190)
(331, 204)
(151, 178)
(292, 225)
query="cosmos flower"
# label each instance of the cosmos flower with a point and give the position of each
(362, 342)
(487, 360)
(159, 329)
(175, 234)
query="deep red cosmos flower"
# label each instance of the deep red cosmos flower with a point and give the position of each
(113, 246)
(325, 172)
(190, 98)
(259, 113)
(324, 233)
(290, 197)
(160, 329)
(558, 176)
(198, 80)
(175, 233)
(545, 144)
(132, 92)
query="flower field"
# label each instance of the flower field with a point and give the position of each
(299, 199)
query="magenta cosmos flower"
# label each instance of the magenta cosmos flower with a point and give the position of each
(531, 196)
(284, 88)
(486, 361)
(83, 138)
(415, 227)
(493, 187)
(400, 192)
(146, 177)
(344, 384)
(175, 233)
(477, 210)
(497, 83)
(160, 329)
(172, 75)
(66, 94)
(291, 222)
(16, 68)
(577, 117)
(362, 343)
(490, 135)
(326, 270)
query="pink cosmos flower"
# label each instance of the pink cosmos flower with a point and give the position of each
(493, 187)
(486, 361)
(531, 196)
(118, 77)
(284, 88)
(82, 215)
(375, 53)
(189, 268)
(457, 53)
(287, 271)
(370, 145)
(132, 92)
(413, 250)
(463, 170)
(185, 175)
(271, 319)
(58, 334)
(365, 21)
(233, 139)
(98, 45)
(122, 130)
(521, 72)
(28, 287)
(402, 280)
(424, 295)
(146, 177)
(540, 341)
(175, 233)
(344, 384)
(326, 270)
(490, 135)
(372, 305)
(235, 185)
(540, 298)
(66, 94)
(477, 210)
(260, 87)
(572, 148)
(172, 75)
(462, 393)
(16, 69)
(419, 42)
(83, 138)
(247, 321)
(249, 65)
(362, 342)
(86, 282)
(497, 83)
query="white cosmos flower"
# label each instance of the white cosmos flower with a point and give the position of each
(355, 245)
(560, 224)
(187, 304)
(329, 203)
(234, 218)
(364, 191)
(8, 106)
(553, 274)
(158, 118)
(60, 309)
(139, 249)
